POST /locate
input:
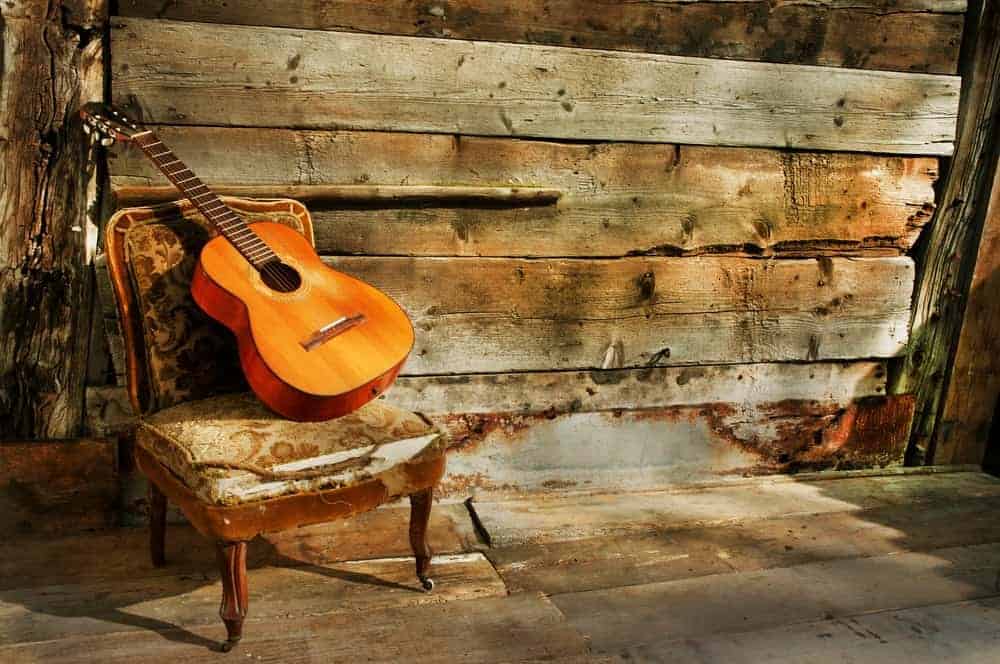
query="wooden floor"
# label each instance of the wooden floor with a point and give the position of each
(859, 569)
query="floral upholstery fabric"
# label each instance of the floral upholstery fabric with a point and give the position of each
(236, 429)
(188, 355)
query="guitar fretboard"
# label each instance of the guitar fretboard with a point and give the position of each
(229, 224)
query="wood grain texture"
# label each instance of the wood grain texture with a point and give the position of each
(500, 454)
(616, 199)
(948, 256)
(496, 315)
(643, 620)
(57, 485)
(552, 392)
(103, 608)
(51, 64)
(274, 77)
(750, 545)
(521, 628)
(547, 519)
(896, 35)
(972, 396)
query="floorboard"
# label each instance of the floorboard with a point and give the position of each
(540, 518)
(524, 627)
(652, 615)
(168, 602)
(124, 552)
(634, 559)
(962, 633)
(855, 569)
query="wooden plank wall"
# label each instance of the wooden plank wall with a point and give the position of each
(712, 273)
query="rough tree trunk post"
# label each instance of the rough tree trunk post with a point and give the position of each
(948, 259)
(51, 63)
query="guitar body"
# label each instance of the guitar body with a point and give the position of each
(297, 358)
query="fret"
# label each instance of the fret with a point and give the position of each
(226, 221)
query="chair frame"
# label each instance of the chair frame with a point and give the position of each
(232, 527)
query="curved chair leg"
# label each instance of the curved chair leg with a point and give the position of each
(420, 514)
(235, 596)
(157, 526)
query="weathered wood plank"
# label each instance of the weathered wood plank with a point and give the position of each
(500, 454)
(234, 76)
(743, 546)
(900, 36)
(122, 605)
(544, 519)
(616, 199)
(57, 486)
(518, 628)
(123, 553)
(552, 392)
(972, 396)
(948, 256)
(956, 632)
(640, 620)
(494, 315)
(52, 63)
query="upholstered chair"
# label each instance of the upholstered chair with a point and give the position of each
(234, 468)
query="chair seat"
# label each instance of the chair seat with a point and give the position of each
(230, 449)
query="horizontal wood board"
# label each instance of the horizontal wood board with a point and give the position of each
(492, 315)
(57, 485)
(549, 518)
(874, 34)
(615, 199)
(278, 77)
(744, 545)
(104, 607)
(641, 620)
(521, 628)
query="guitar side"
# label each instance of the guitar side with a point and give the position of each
(298, 379)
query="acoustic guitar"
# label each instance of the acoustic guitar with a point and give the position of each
(314, 343)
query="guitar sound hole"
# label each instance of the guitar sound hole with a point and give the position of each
(280, 277)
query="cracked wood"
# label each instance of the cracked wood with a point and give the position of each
(493, 315)
(870, 34)
(51, 64)
(616, 199)
(275, 77)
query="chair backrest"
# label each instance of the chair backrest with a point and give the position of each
(173, 351)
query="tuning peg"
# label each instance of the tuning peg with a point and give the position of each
(107, 142)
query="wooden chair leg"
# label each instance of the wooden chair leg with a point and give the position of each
(235, 595)
(420, 514)
(157, 526)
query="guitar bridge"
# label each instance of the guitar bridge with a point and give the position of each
(331, 330)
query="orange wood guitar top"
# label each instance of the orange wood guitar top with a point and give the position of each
(280, 322)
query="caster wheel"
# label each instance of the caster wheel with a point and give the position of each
(427, 584)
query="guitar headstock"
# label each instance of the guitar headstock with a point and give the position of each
(108, 123)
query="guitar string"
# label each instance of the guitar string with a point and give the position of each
(270, 268)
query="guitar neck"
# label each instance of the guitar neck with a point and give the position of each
(232, 226)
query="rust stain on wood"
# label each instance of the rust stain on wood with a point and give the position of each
(808, 435)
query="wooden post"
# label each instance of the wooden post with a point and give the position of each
(947, 261)
(51, 63)
(973, 388)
